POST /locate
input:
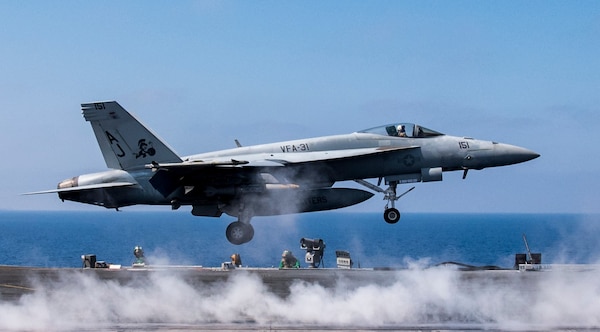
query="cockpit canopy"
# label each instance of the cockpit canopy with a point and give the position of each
(402, 130)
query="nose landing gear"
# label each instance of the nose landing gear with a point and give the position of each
(391, 215)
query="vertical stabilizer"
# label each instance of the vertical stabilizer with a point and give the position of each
(125, 142)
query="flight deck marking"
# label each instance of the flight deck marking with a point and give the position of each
(17, 287)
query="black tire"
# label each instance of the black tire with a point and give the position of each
(250, 234)
(391, 216)
(239, 233)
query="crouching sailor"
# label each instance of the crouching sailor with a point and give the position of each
(288, 261)
(140, 260)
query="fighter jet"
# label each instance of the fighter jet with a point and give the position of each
(271, 179)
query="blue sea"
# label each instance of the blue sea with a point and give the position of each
(415, 298)
(58, 239)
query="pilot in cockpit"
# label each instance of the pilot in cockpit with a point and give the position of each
(401, 131)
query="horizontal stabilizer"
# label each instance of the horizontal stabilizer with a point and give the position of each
(165, 182)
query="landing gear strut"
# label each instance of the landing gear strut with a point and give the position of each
(391, 215)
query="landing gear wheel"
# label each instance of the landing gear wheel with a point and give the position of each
(239, 233)
(391, 216)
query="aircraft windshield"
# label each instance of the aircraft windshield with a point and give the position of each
(402, 130)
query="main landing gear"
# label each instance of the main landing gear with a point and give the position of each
(240, 232)
(391, 215)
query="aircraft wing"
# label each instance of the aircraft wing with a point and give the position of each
(169, 176)
(332, 155)
(82, 188)
(275, 159)
(203, 164)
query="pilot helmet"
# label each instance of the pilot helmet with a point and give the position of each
(400, 127)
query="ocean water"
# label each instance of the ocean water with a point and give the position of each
(58, 239)
(416, 298)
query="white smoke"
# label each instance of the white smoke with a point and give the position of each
(422, 298)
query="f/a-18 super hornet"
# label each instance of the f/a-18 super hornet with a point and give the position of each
(271, 179)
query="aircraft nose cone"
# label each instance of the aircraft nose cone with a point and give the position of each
(511, 154)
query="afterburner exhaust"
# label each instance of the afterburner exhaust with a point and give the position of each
(68, 183)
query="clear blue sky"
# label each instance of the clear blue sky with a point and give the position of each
(203, 73)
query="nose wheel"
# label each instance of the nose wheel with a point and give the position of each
(391, 216)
